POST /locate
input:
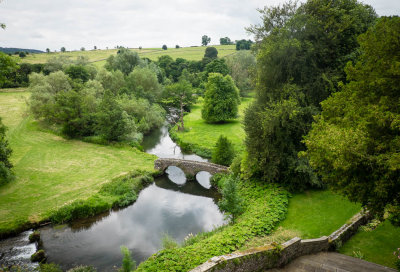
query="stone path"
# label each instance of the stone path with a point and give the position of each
(331, 261)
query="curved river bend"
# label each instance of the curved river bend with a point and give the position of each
(168, 206)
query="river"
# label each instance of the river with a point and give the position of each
(171, 205)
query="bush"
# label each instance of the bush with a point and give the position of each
(231, 202)
(168, 242)
(128, 264)
(82, 268)
(223, 152)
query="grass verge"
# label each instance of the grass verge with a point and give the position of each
(200, 137)
(376, 245)
(52, 172)
(266, 206)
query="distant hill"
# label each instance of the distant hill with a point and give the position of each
(8, 50)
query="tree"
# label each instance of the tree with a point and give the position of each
(47, 50)
(177, 46)
(125, 61)
(211, 52)
(143, 82)
(231, 201)
(164, 47)
(223, 152)
(354, 143)
(243, 44)
(221, 99)
(8, 66)
(301, 53)
(216, 66)
(6, 173)
(128, 264)
(225, 41)
(241, 66)
(95, 47)
(63, 49)
(179, 95)
(82, 48)
(205, 40)
(79, 72)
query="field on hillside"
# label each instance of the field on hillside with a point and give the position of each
(51, 170)
(98, 57)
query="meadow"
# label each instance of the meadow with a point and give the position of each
(98, 57)
(52, 171)
(201, 137)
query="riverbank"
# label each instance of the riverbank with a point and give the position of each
(200, 137)
(52, 172)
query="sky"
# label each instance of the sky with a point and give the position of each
(42, 24)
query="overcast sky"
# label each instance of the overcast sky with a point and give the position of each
(39, 24)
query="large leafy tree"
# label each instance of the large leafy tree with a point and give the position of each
(6, 173)
(125, 61)
(301, 53)
(205, 40)
(221, 99)
(355, 142)
(8, 66)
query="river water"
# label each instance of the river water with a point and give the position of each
(171, 205)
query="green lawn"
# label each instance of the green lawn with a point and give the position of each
(97, 57)
(51, 170)
(376, 246)
(311, 214)
(204, 135)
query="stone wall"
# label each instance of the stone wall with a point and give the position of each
(260, 258)
(190, 167)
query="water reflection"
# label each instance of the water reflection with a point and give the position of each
(163, 207)
(160, 144)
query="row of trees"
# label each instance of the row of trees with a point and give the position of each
(302, 72)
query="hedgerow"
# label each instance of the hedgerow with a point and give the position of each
(265, 206)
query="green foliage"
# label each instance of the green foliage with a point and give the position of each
(38, 256)
(216, 66)
(205, 40)
(211, 53)
(221, 99)
(354, 143)
(264, 207)
(7, 67)
(231, 202)
(125, 61)
(168, 242)
(225, 41)
(51, 267)
(164, 47)
(223, 152)
(128, 264)
(120, 192)
(6, 173)
(34, 236)
(78, 72)
(143, 82)
(243, 45)
(301, 53)
(241, 66)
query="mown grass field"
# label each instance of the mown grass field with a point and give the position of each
(52, 171)
(375, 246)
(98, 57)
(204, 135)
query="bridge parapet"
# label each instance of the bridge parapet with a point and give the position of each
(190, 167)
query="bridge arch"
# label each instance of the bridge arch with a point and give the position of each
(190, 167)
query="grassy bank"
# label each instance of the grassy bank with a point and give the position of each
(200, 137)
(311, 214)
(51, 171)
(98, 56)
(375, 245)
(266, 205)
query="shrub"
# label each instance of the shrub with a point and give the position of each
(223, 152)
(231, 202)
(168, 242)
(128, 264)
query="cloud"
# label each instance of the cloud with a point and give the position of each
(152, 23)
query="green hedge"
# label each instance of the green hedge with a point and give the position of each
(266, 206)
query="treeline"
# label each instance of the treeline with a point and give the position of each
(311, 67)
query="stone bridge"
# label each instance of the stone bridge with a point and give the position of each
(190, 167)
